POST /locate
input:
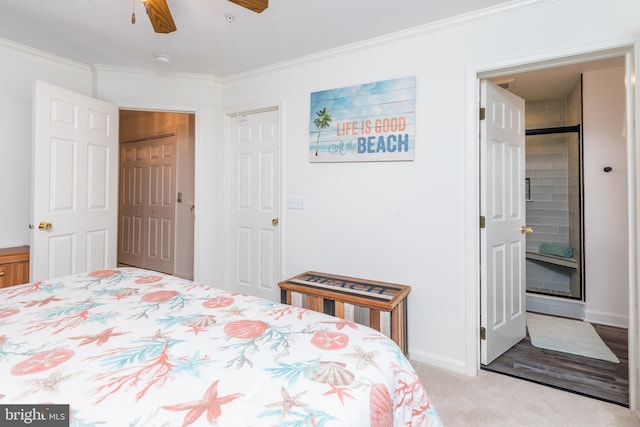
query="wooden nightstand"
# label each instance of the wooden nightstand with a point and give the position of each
(14, 266)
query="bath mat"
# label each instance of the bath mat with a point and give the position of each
(568, 336)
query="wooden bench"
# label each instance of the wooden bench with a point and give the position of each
(328, 293)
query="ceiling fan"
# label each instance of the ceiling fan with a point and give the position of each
(162, 21)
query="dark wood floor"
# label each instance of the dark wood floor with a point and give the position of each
(589, 377)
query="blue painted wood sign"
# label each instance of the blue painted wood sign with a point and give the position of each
(368, 122)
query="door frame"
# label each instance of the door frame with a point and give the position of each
(630, 51)
(199, 182)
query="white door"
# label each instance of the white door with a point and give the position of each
(503, 279)
(74, 183)
(255, 200)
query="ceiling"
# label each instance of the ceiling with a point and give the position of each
(99, 32)
(552, 82)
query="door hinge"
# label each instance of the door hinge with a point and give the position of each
(482, 221)
(483, 333)
(483, 113)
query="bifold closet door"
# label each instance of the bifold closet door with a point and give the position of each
(160, 209)
(147, 209)
(132, 203)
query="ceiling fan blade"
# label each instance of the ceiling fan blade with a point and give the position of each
(257, 6)
(160, 16)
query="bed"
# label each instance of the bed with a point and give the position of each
(132, 347)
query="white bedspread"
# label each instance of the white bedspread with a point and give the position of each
(130, 347)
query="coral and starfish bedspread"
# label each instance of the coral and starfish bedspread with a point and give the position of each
(131, 347)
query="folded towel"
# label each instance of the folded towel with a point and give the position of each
(556, 249)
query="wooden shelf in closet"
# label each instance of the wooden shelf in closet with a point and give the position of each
(14, 266)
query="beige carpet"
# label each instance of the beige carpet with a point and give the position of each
(495, 400)
(568, 336)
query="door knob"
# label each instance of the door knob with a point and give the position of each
(274, 221)
(526, 230)
(45, 226)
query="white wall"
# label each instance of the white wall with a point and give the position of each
(605, 204)
(20, 68)
(415, 222)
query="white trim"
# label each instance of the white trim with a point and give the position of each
(605, 318)
(437, 361)
(154, 72)
(628, 48)
(632, 64)
(43, 54)
(472, 224)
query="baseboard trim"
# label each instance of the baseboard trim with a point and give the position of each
(609, 319)
(439, 362)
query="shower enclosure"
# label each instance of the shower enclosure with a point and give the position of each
(553, 164)
(554, 205)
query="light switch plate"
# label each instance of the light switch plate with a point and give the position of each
(296, 202)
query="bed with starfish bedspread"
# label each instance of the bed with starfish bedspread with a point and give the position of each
(131, 347)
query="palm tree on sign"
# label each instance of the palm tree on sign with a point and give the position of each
(322, 121)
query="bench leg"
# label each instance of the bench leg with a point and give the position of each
(374, 319)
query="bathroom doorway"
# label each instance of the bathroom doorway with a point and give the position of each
(576, 192)
(570, 164)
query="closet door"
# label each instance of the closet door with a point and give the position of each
(147, 206)
(160, 209)
(132, 203)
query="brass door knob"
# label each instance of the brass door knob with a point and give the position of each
(45, 226)
(274, 221)
(526, 230)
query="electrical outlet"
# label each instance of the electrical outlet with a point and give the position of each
(296, 202)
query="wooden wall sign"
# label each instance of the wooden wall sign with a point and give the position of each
(368, 122)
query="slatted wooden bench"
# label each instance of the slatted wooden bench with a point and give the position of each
(328, 293)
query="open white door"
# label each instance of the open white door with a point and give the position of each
(255, 201)
(502, 156)
(74, 183)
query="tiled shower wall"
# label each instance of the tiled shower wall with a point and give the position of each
(548, 211)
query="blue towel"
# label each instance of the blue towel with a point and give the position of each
(556, 249)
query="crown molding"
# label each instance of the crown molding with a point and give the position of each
(43, 54)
